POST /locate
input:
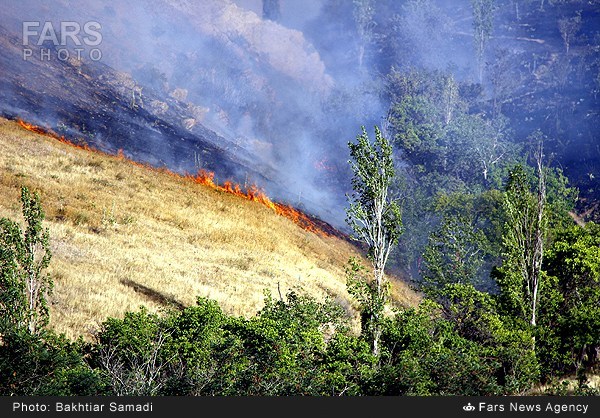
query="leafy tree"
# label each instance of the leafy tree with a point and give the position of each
(465, 246)
(374, 216)
(459, 346)
(348, 365)
(449, 147)
(284, 347)
(42, 363)
(206, 356)
(24, 257)
(524, 239)
(437, 163)
(455, 253)
(33, 359)
(573, 321)
(130, 353)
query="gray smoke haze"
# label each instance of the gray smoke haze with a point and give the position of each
(288, 94)
(255, 82)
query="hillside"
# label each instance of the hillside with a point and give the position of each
(123, 235)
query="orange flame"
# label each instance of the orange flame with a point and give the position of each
(205, 178)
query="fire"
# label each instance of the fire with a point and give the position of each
(204, 178)
(31, 127)
(253, 193)
(51, 134)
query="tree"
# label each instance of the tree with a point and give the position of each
(483, 14)
(568, 28)
(130, 353)
(24, 257)
(363, 16)
(574, 261)
(524, 239)
(373, 215)
(455, 253)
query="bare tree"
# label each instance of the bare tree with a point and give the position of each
(568, 27)
(135, 372)
(363, 16)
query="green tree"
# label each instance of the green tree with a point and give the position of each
(284, 348)
(459, 346)
(130, 353)
(524, 238)
(24, 257)
(455, 253)
(33, 360)
(43, 364)
(374, 215)
(466, 244)
(573, 262)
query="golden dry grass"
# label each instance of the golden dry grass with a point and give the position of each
(570, 382)
(124, 236)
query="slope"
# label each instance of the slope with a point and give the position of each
(124, 235)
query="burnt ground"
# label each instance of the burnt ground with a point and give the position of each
(93, 104)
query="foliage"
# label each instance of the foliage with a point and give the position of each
(373, 215)
(284, 347)
(449, 151)
(24, 256)
(130, 354)
(375, 218)
(524, 234)
(204, 354)
(573, 322)
(457, 346)
(455, 253)
(371, 300)
(483, 11)
(41, 363)
(434, 129)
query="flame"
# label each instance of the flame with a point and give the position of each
(204, 178)
(253, 193)
(31, 127)
(52, 134)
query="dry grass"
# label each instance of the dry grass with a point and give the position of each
(124, 236)
(570, 385)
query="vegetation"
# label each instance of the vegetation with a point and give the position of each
(24, 257)
(376, 220)
(123, 236)
(457, 341)
(509, 273)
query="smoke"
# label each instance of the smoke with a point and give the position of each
(284, 96)
(261, 86)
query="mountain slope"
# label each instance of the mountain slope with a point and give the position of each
(184, 85)
(123, 235)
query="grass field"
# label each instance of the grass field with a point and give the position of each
(123, 235)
